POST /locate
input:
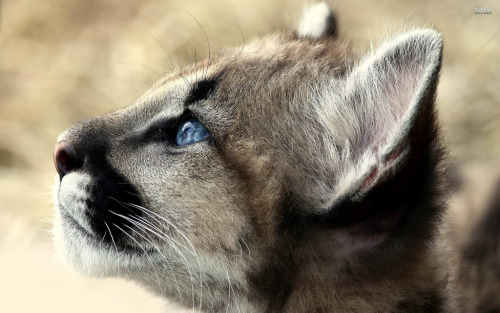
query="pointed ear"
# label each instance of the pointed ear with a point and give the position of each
(393, 93)
(318, 22)
(391, 155)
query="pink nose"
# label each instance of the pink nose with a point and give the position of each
(65, 158)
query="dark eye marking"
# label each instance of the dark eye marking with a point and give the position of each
(179, 131)
(166, 129)
(202, 90)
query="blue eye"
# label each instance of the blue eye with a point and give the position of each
(190, 131)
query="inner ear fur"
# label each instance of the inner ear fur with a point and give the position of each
(390, 186)
(393, 92)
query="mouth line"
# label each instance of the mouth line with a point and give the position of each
(93, 237)
(74, 222)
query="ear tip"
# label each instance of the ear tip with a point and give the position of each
(426, 36)
(323, 6)
(317, 21)
(429, 33)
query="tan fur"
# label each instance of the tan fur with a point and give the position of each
(320, 189)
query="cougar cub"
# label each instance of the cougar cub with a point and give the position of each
(285, 176)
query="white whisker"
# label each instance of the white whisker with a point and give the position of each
(174, 276)
(105, 232)
(143, 209)
(147, 225)
(246, 245)
(135, 221)
(168, 241)
(112, 239)
(160, 286)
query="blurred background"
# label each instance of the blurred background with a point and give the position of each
(62, 61)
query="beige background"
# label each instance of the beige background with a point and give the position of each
(65, 60)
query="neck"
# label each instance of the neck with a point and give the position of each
(318, 289)
(313, 282)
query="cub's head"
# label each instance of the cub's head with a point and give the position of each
(283, 165)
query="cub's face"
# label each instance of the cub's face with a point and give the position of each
(198, 189)
(136, 198)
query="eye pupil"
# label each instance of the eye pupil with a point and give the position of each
(190, 131)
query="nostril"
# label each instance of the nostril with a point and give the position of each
(65, 158)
